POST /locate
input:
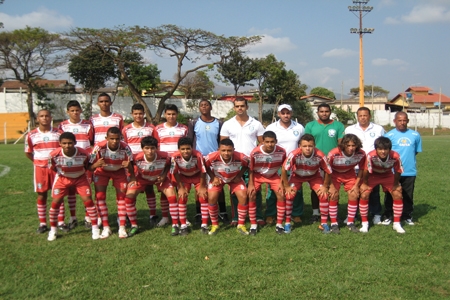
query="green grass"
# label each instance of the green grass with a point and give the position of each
(305, 264)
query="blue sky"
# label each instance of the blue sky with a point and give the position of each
(409, 47)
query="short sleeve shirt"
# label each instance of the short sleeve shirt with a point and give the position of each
(287, 137)
(326, 135)
(245, 138)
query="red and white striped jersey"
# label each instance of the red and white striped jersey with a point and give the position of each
(83, 131)
(168, 136)
(113, 159)
(226, 171)
(133, 135)
(341, 163)
(150, 170)
(102, 124)
(187, 168)
(69, 166)
(40, 144)
(376, 166)
(306, 166)
(267, 164)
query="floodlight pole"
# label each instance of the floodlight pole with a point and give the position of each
(360, 9)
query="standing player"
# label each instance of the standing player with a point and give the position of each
(70, 164)
(327, 134)
(378, 170)
(265, 161)
(109, 159)
(188, 169)
(38, 145)
(245, 132)
(105, 119)
(227, 166)
(304, 164)
(343, 160)
(288, 134)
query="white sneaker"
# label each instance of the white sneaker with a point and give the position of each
(409, 222)
(376, 220)
(95, 233)
(398, 227)
(386, 222)
(188, 223)
(106, 232)
(122, 232)
(52, 235)
(364, 228)
(346, 220)
(164, 221)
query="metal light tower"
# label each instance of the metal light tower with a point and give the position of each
(362, 9)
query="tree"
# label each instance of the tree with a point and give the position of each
(321, 91)
(344, 116)
(237, 69)
(29, 53)
(197, 85)
(377, 91)
(144, 77)
(92, 70)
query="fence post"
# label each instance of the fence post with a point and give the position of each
(4, 130)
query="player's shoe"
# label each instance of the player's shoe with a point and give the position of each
(386, 222)
(73, 224)
(224, 218)
(87, 224)
(261, 222)
(42, 229)
(95, 233)
(153, 221)
(270, 220)
(242, 230)
(325, 228)
(409, 222)
(297, 220)
(184, 231)
(213, 230)
(376, 220)
(314, 219)
(398, 227)
(287, 228)
(106, 232)
(163, 222)
(52, 235)
(63, 227)
(123, 232)
(175, 231)
(364, 227)
(352, 227)
(252, 231)
(234, 223)
(204, 230)
(335, 229)
(279, 230)
(133, 231)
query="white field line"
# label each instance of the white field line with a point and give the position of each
(5, 170)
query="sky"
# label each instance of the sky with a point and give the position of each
(409, 47)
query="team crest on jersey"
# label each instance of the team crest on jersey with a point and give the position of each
(372, 134)
(404, 142)
(75, 130)
(171, 133)
(296, 132)
(140, 133)
(207, 127)
(227, 170)
(331, 133)
(46, 139)
(105, 123)
(269, 159)
(151, 168)
(56, 191)
(251, 128)
(347, 162)
(188, 166)
(113, 156)
(69, 163)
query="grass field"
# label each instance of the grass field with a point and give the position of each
(305, 264)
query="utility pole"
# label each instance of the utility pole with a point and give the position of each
(358, 9)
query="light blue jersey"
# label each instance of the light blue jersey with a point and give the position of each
(207, 136)
(407, 144)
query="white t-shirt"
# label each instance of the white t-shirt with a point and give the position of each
(368, 136)
(245, 138)
(287, 137)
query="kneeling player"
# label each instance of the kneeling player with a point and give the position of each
(265, 161)
(343, 160)
(304, 164)
(70, 164)
(227, 166)
(378, 170)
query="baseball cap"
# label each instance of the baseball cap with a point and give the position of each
(282, 106)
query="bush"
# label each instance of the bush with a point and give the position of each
(344, 116)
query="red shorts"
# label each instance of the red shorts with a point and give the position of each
(43, 179)
(141, 184)
(274, 181)
(234, 187)
(385, 180)
(314, 181)
(348, 179)
(119, 178)
(189, 181)
(63, 185)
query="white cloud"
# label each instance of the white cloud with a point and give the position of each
(424, 13)
(321, 76)
(388, 62)
(44, 18)
(264, 31)
(341, 52)
(270, 44)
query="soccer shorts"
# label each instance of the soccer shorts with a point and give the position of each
(119, 178)
(43, 179)
(63, 185)
(234, 187)
(274, 181)
(348, 179)
(385, 180)
(141, 184)
(189, 181)
(314, 181)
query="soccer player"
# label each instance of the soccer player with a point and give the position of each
(265, 161)
(70, 163)
(38, 145)
(304, 164)
(378, 170)
(227, 166)
(342, 161)
(109, 159)
(153, 166)
(84, 133)
(132, 135)
(188, 169)
(105, 119)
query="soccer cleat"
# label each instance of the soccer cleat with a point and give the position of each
(42, 229)
(184, 231)
(270, 220)
(153, 221)
(352, 227)
(386, 222)
(63, 227)
(325, 228)
(242, 230)
(52, 235)
(335, 229)
(73, 224)
(398, 227)
(234, 223)
(261, 222)
(252, 231)
(204, 230)
(175, 231)
(95, 233)
(224, 218)
(106, 232)
(122, 232)
(163, 222)
(314, 219)
(345, 220)
(376, 220)
(287, 228)
(198, 219)
(409, 222)
(87, 224)
(188, 223)
(297, 220)
(133, 231)
(364, 228)
(213, 230)
(279, 230)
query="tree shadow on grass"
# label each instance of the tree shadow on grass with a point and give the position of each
(422, 209)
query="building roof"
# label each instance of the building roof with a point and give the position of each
(16, 84)
(430, 98)
(418, 89)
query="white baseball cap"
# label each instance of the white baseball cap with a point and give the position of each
(283, 106)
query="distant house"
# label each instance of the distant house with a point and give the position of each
(315, 100)
(53, 86)
(418, 98)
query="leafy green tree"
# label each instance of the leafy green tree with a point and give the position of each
(377, 91)
(237, 69)
(30, 53)
(344, 116)
(321, 91)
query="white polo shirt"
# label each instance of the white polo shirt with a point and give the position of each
(368, 136)
(245, 138)
(287, 137)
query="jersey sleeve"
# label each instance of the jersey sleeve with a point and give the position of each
(28, 144)
(289, 162)
(201, 163)
(341, 131)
